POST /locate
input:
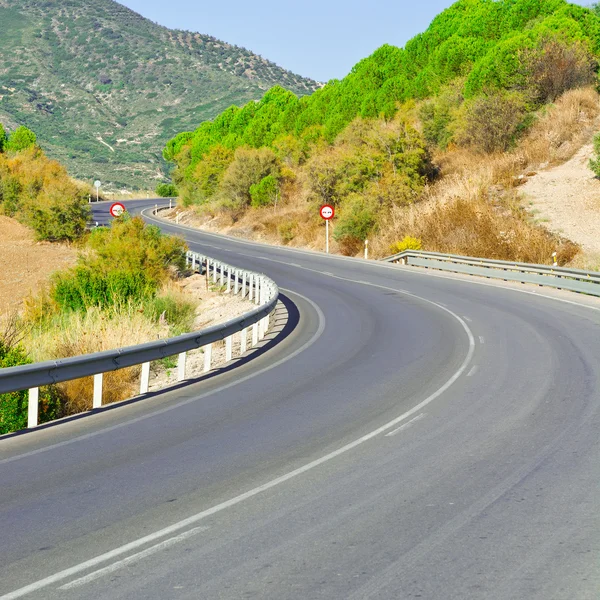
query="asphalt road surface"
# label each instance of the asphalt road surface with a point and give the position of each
(412, 436)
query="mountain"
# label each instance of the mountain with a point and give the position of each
(105, 88)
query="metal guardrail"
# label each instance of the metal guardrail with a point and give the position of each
(574, 280)
(258, 288)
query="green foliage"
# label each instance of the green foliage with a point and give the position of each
(536, 48)
(39, 193)
(3, 138)
(595, 162)
(20, 139)
(357, 220)
(265, 192)
(407, 243)
(83, 288)
(128, 262)
(249, 167)
(100, 67)
(13, 406)
(166, 190)
(178, 313)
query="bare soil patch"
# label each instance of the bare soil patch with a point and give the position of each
(566, 199)
(25, 264)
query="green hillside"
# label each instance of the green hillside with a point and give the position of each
(483, 44)
(402, 127)
(104, 88)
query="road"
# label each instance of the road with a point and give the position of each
(413, 436)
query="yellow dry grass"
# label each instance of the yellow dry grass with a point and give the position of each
(94, 331)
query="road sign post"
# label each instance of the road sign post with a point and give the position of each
(327, 213)
(97, 185)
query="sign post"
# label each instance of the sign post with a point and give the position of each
(117, 209)
(327, 213)
(97, 185)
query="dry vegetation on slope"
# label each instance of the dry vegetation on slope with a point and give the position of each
(474, 207)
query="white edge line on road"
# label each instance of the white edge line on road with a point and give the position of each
(194, 519)
(133, 558)
(161, 411)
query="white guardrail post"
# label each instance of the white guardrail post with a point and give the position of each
(32, 407)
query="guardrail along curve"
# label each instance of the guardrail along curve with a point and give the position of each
(574, 280)
(258, 288)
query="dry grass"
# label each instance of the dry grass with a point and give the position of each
(474, 209)
(474, 227)
(83, 333)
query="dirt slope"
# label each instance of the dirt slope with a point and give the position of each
(566, 199)
(26, 264)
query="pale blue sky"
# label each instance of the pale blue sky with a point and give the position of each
(321, 39)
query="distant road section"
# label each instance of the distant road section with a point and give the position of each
(415, 436)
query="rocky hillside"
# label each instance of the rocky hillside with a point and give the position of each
(105, 88)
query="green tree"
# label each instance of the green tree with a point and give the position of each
(166, 190)
(3, 138)
(21, 139)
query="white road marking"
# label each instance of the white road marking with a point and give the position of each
(161, 411)
(194, 519)
(132, 559)
(467, 319)
(481, 339)
(473, 371)
(406, 425)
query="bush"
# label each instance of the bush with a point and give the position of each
(166, 190)
(555, 67)
(595, 162)
(83, 288)
(265, 192)
(14, 406)
(357, 220)
(407, 243)
(129, 262)
(20, 139)
(249, 167)
(491, 122)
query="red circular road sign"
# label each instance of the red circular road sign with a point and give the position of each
(117, 209)
(327, 212)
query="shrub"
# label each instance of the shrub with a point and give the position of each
(491, 122)
(555, 67)
(249, 167)
(595, 162)
(166, 190)
(407, 243)
(82, 288)
(265, 192)
(357, 220)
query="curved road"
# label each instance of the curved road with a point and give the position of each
(413, 436)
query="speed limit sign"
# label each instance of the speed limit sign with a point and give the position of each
(117, 209)
(327, 212)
